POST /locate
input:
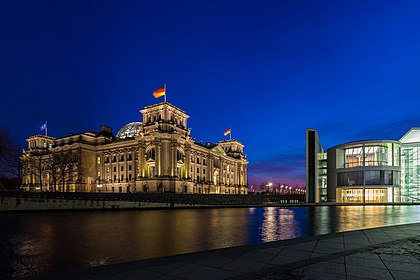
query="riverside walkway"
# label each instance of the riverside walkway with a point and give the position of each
(380, 253)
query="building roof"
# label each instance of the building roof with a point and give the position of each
(129, 130)
(412, 136)
(363, 142)
(164, 103)
(231, 141)
(41, 136)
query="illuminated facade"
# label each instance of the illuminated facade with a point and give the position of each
(365, 171)
(155, 155)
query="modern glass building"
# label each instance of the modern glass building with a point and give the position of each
(372, 171)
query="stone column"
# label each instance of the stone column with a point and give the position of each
(158, 164)
(187, 162)
(173, 159)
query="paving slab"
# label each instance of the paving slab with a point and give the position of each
(404, 275)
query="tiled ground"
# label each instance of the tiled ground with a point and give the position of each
(380, 253)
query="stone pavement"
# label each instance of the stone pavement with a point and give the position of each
(381, 253)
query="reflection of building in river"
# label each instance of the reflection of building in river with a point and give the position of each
(364, 171)
(279, 223)
(156, 155)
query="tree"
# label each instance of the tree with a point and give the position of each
(10, 161)
(65, 167)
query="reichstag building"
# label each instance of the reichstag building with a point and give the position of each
(155, 155)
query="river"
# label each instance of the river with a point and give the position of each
(38, 243)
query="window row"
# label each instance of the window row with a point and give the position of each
(114, 158)
(114, 168)
(381, 154)
(369, 178)
(121, 179)
(198, 160)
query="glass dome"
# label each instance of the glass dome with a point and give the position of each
(129, 130)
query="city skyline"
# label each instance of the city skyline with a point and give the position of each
(267, 70)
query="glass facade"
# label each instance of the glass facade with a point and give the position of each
(370, 171)
(322, 170)
(372, 154)
(379, 177)
(354, 178)
(368, 178)
(353, 157)
(368, 195)
(410, 157)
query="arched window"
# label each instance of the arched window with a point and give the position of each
(179, 156)
(151, 154)
(216, 177)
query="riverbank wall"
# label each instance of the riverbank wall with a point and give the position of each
(25, 203)
(28, 202)
(16, 204)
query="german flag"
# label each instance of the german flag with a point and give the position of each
(227, 132)
(160, 92)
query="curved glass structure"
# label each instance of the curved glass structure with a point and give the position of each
(129, 130)
(370, 171)
(372, 154)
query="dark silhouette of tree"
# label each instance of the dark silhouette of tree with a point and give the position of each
(10, 161)
(65, 164)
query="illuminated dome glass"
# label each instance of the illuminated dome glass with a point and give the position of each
(129, 130)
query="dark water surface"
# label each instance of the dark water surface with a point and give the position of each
(37, 243)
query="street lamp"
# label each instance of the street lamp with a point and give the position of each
(269, 187)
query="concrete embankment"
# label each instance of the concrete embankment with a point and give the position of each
(56, 201)
(14, 204)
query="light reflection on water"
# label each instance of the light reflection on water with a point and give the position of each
(42, 242)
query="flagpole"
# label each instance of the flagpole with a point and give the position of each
(230, 134)
(164, 87)
(46, 128)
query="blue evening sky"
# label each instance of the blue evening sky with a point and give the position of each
(268, 69)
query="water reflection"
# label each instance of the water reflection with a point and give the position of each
(42, 242)
(279, 224)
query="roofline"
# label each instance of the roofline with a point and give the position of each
(361, 142)
(79, 133)
(43, 136)
(408, 132)
(163, 103)
(231, 140)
